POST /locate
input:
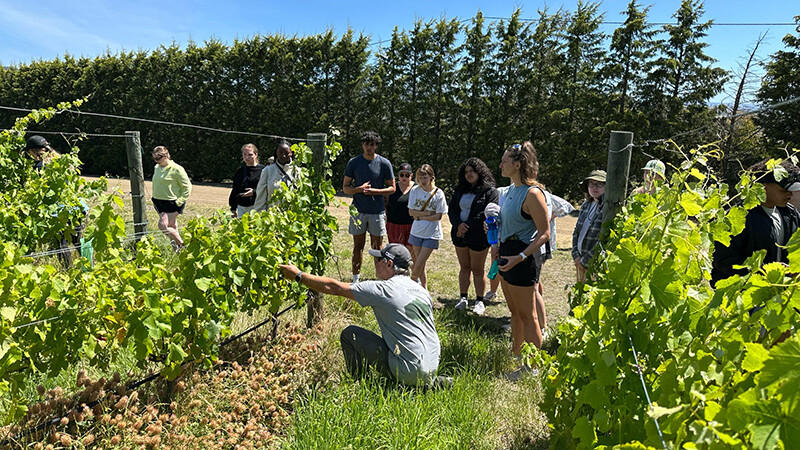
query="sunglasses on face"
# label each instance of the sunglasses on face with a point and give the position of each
(596, 185)
(158, 158)
(405, 175)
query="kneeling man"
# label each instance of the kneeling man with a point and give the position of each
(408, 350)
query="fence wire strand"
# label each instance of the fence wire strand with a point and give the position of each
(161, 122)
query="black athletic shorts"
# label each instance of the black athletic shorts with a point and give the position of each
(475, 240)
(525, 273)
(167, 206)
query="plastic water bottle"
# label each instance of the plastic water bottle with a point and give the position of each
(491, 230)
(493, 270)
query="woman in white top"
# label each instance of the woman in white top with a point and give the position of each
(427, 205)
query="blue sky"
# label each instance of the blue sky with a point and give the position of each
(46, 29)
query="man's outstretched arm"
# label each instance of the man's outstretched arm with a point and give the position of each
(321, 284)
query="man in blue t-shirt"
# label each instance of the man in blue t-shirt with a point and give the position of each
(368, 178)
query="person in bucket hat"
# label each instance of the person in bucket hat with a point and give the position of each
(654, 172)
(587, 230)
(408, 348)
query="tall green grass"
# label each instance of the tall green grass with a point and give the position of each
(367, 414)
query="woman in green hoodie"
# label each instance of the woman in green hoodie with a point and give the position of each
(171, 189)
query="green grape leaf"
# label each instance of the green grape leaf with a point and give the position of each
(691, 202)
(765, 436)
(711, 411)
(783, 363)
(584, 431)
(793, 248)
(659, 411)
(665, 285)
(755, 357)
(8, 313)
(203, 283)
(736, 218)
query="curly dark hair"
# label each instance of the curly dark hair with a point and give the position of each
(371, 137)
(485, 177)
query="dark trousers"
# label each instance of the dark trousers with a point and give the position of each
(69, 241)
(364, 349)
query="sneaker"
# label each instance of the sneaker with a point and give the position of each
(479, 308)
(441, 382)
(355, 278)
(462, 303)
(521, 373)
(490, 296)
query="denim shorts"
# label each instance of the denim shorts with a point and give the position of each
(422, 242)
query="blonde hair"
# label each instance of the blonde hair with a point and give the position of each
(427, 170)
(253, 148)
(49, 155)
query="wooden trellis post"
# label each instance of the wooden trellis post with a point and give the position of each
(134, 147)
(314, 300)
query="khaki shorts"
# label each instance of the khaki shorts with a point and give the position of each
(375, 224)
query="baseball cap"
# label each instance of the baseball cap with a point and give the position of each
(36, 142)
(397, 253)
(656, 166)
(405, 167)
(786, 182)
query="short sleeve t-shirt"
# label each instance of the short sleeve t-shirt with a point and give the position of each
(404, 311)
(376, 172)
(427, 229)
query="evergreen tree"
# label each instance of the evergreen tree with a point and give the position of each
(472, 74)
(682, 79)
(781, 83)
(631, 49)
(506, 76)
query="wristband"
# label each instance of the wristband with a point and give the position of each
(298, 277)
(523, 256)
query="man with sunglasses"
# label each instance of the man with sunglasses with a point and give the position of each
(408, 349)
(768, 226)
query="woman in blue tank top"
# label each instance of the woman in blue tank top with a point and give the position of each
(523, 213)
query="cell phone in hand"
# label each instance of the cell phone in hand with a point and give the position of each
(502, 262)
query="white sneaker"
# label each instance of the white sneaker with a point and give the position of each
(490, 296)
(522, 372)
(356, 278)
(479, 308)
(462, 303)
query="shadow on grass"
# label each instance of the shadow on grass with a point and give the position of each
(466, 320)
(473, 343)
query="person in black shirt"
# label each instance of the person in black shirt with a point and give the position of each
(245, 180)
(768, 226)
(475, 190)
(398, 220)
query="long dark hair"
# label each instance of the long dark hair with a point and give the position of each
(485, 178)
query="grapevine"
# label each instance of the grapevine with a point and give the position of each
(51, 319)
(713, 379)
